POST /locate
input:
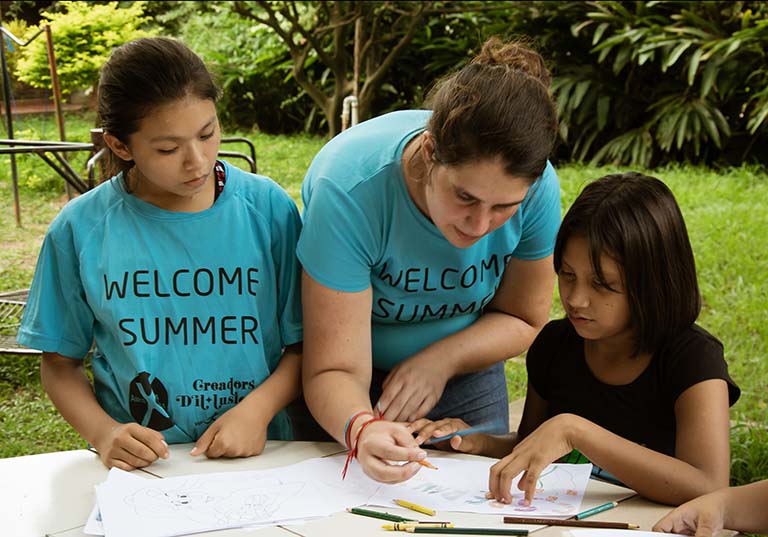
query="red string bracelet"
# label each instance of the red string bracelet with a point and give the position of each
(353, 452)
(348, 427)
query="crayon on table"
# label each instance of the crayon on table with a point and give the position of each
(377, 514)
(415, 507)
(595, 510)
(570, 522)
(468, 531)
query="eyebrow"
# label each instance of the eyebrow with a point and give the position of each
(475, 198)
(176, 138)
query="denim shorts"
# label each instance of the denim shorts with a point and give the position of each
(477, 398)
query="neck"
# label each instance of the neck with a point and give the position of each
(169, 201)
(618, 347)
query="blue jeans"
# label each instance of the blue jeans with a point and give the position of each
(477, 398)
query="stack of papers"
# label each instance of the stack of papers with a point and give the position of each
(128, 505)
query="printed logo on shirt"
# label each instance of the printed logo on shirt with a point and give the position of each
(148, 402)
(217, 395)
(422, 282)
(185, 282)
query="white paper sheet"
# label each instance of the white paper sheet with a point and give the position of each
(94, 526)
(460, 485)
(614, 533)
(206, 502)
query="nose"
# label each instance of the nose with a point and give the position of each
(195, 157)
(479, 222)
(576, 296)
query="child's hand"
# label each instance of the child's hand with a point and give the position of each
(701, 517)
(542, 447)
(426, 429)
(237, 433)
(384, 441)
(129, 446)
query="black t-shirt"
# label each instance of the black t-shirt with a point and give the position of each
(641, 411)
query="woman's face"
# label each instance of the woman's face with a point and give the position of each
(468, 201)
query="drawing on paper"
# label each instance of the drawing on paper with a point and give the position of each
(258, 501)
(561, 489)
(461, 485)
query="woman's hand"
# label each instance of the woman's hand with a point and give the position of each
(383, 446)
(129, 446)
(413, 388)
(239, 432)
(545, 445)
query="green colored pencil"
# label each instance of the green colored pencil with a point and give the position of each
(376, 514)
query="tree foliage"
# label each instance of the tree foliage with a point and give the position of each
(320, 40)
(84, 34)
(664, 81)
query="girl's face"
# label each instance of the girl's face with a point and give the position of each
(468, 201)
(596, 312)
(174, 152)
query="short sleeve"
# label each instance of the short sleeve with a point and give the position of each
(337, 241)
(696, 356)
(538, 360)
(57, 317)
(286, 227)
(541, 217)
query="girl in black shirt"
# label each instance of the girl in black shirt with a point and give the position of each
(627, 379)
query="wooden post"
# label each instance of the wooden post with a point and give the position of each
(56, 94)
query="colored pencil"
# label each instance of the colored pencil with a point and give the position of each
(415, 507)
(484, 428)
(468, 531)
(376, 514)
(403, 526)
(595, 510)
(571, 522)
(426, 464)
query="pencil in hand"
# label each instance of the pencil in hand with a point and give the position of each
(426, 464)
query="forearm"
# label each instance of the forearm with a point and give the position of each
(71, 392)
(656, 476)
(280, 388)
(494, 337)
(745, 507)
(335, 395)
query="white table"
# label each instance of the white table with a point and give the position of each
(53, 494)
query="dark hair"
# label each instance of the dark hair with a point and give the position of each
(496, 106)
(634, 219)
(141, 75)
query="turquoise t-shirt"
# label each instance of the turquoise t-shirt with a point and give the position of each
(189, 311)
(362, 229)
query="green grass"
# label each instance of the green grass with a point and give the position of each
(724, 212)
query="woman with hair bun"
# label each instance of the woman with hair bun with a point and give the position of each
(427, 256)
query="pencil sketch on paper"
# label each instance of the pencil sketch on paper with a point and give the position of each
(196, 501)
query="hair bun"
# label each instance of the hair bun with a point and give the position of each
(516, 56)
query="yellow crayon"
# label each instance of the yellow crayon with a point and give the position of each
(414, 507)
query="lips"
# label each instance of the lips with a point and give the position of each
(465, 237)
